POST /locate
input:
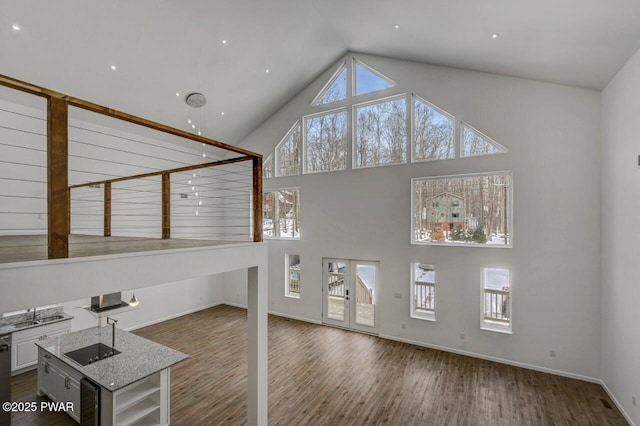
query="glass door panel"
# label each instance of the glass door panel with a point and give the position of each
(350, 294)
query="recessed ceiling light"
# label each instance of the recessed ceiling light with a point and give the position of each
(177, 94)
(113, 67)
(189, 121)
(267, 71)
(224, 41)
(15, 27)
(222, 113)
(396, 26)
(495, 35)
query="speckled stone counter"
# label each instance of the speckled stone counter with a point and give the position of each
(138, 359)
(8, 324)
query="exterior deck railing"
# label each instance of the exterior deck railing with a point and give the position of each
(496, 305)
(424, 296)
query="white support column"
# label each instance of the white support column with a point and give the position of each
(257, 346)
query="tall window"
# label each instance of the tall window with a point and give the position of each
(423, 291)
(433, 132)
(496, 299)
(288, 153)
(470, 210)
(281, 213)
(381, 133)
(326, 142)
(292, 276)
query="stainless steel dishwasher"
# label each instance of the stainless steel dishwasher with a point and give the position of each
(5, 377)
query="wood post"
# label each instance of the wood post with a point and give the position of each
(107, 209)
(57, 178)
(166, 206)
(257, 199)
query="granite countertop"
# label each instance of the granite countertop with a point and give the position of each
(138, 359)
(8, 324)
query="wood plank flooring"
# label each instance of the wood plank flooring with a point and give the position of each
(21, 248)
(325, 376)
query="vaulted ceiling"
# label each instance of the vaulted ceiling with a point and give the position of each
(224, 48)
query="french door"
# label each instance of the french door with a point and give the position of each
(350, 294)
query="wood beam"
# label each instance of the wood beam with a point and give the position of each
(257, 199)
(57, 178)
(99, 109)
(166, 206)
(107, 209)
(162, 172)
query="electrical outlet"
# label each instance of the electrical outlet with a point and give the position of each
(461, 336)
(633, 400)
(552, 353)
(404, 325)
(273, 302)
(397, 295)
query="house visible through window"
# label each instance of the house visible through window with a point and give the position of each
(472, 210)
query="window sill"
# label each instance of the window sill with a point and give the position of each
(425, 317)
(496, 329)
(292, 296)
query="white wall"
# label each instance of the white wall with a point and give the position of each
(552, 133)
(157, 303)
(620, 233)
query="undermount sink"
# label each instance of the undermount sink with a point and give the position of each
(42, 320)
(49, 319)
(26, 323)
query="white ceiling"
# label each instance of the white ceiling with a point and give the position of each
(161, 47)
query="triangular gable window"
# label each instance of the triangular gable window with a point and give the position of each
(334, 90)
(475, 143)
(288, 153)
(369, 80)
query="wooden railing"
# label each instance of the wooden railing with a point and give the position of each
(363, 293)
(496, 305)
(336, 284)
(294, 280)
(424, 296)
(58, 189)
(337, 288)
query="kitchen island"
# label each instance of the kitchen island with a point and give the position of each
(131, 378)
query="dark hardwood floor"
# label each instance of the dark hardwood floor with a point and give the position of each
(325, 376)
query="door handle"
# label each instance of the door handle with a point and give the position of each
(46, 367)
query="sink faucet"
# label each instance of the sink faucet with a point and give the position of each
(34, 312)
(113, 323)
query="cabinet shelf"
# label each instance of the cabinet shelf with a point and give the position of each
(137, 412)
(133, 396)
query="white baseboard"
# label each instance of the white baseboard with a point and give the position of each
(494, 359)
(173, 316)
(235, 305)
(618, 405)
(280, 314)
